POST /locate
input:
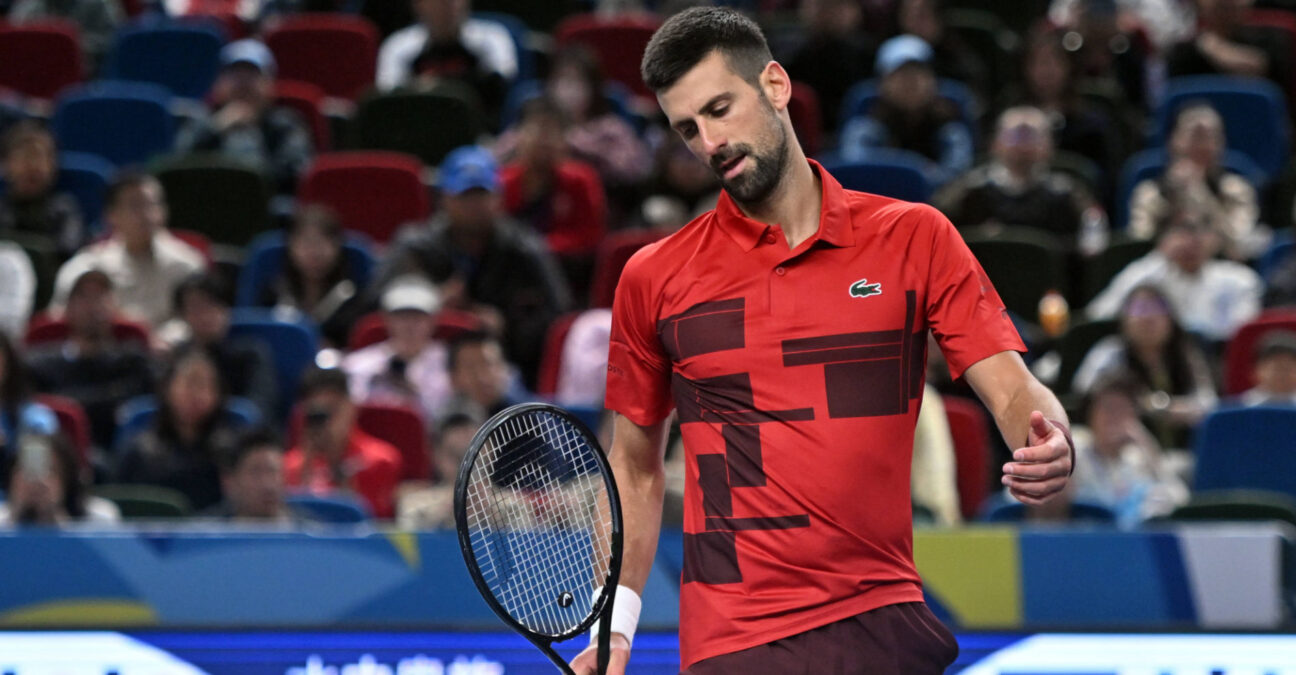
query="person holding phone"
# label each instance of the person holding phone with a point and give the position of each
(46, 487)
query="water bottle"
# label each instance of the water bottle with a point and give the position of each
(1054, 314)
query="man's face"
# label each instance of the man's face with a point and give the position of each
(30, 168)
(409, 329)
(328, 417)
(246, 83)
(138, 213)
(443, 17)
(1187, 247)
(541, 143)
(731, 126)
(472, 211)
(910, 87)
(480, 372)
(255, 487)
(90, 310)
(1022, 144)
(1276, 373)
(207, 317)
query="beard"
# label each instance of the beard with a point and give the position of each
(754, 185)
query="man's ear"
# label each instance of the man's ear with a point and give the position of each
(777, 85)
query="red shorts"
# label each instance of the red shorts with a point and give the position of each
(903, 639)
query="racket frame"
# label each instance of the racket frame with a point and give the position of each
(601, 610)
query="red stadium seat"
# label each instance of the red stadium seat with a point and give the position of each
(373, 192)
(610, 258)
(336, 52)
(551, 359)
(618, 41)
(197, 240)
(44, 328)
(451, 323)
(307, 100)
(1239, 355)
(971, 434)
(72, 422)
(40, 59)
(402, 427)
(803, 108)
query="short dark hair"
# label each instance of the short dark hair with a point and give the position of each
(207, 283)
(124, 180)
(468, 339)
(317, 379)
(23, 132)
(244, 443)
(688, 37)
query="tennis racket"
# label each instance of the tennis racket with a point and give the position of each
(539, 524)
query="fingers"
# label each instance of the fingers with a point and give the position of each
(586, 663)
(1040, 428)
(1037, 496)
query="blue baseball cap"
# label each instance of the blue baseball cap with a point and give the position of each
(251, 52)
(467, 168)
(900, 50)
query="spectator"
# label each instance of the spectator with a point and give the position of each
(1050, 83)
(409, 367)
(484, 260)
(46, 487)
(1109, 51)
(96, 20)
(431, 505)
(1119, 463)
(1225, 45)
(934, 481)
(583, 375)
(19, 414)
(1275, 371)
(252, 480)
(1164, 21)
(32, 204)
(1017, 187)
(333, 453)
(144, 260)
(1212, 297)
(560, 198)
(91, 366)
(1176, 388)
(316, 279)
(910, 114)
(246, 125)
(480, 377)
(447, 24)
(951, 58)
(1194, 179)
(180, 448)
(831, 54)
(202, 309)
(1280, 291)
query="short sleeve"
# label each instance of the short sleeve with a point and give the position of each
(638, 379)
(963, 309)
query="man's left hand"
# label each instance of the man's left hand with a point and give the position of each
(1039, 471)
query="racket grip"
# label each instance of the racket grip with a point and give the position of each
(605, 633)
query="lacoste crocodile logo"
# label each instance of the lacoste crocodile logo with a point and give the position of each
(863, 289)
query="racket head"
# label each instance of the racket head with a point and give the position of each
(539, 457)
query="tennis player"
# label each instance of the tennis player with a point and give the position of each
(787, 328)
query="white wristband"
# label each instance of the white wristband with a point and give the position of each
(625, 613)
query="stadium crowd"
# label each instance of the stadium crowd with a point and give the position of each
(276, 260)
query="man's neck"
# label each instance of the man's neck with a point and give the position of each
(795, 205)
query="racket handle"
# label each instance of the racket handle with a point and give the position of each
(605, 633)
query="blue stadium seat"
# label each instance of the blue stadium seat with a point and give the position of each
(1254, 112)
(1151, 163)
(136, 414)
(86, 177)
(123, 122)
(1281, 248)
(264, 262)
(862, 95)
(891, 173)
(293, 341)
(1252, 448)
(334, 509)
(184, 58)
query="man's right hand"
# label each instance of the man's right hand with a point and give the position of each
(586, 663)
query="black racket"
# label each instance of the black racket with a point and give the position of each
(539, 524)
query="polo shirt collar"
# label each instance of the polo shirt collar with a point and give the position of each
(834, 216)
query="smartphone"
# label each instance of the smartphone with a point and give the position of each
(34, 453)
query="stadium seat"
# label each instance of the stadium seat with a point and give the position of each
(72, 422)
(1239, 354)
(551, 357)
(44, 328)
(891, 173)
(618, 42)
(86, 177)
(1249, 448)
(292, 340)
(334, 509)
(145, 502)
(862, 95)
(370, 329)
(403, 427)
(123, 122)
(1254, 112)
(135, 415)
(610, 258)
(220, 198)
(265, 257)
(1101, 269)
(427, 125)
(987, 36)
(348, 181)
(334, 51)
(1023, 265)
(197, 241)
(1235, 505)
(183, 57)
(803, 108)
(40, 59)
(971, 434)
(1280, 249)
(1149, 164)
(1009, 511)
(1017, 15)
(307, 100)
(1074, 344)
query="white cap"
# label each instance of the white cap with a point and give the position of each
(411, 292)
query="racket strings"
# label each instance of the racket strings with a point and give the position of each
(539, 521)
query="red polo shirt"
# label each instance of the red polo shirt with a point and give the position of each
(372, 468)
(797, 376)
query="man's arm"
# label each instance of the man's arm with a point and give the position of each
(636, 459)
(1032, 422)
